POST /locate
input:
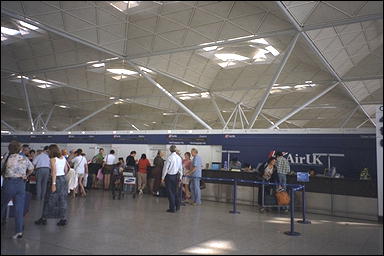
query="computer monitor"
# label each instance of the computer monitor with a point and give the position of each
(216, 166)
(302, 176)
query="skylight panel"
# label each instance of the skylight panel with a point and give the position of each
(9, 31)
(230, 56)
(27, 25)
(259, 41)
(98, 65)
(272, 50)
(226, 64)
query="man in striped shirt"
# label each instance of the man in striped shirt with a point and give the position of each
(283, 169)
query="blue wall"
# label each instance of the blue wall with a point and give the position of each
(359, 149)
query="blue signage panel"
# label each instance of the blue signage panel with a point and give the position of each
(348, 153)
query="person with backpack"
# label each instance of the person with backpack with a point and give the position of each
(15, 169)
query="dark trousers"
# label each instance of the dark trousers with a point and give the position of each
(171, 183)
(156, 173)
(14, 189)
(42, 176)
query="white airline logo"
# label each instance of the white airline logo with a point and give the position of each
(309, 158)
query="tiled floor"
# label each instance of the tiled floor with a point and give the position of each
(100, 225)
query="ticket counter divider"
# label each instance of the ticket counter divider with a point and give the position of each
(292, 189)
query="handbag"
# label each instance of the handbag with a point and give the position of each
(282, 198)
(100, 175)
(202, 185)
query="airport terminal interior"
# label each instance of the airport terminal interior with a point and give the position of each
(191, 127)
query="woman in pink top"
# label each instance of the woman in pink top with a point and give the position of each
(187, 165)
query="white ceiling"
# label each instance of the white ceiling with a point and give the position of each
(168, 38)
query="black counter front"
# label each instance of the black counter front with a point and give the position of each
(347, 187)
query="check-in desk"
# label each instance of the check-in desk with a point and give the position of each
(339, 197)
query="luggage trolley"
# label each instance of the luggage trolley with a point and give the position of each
(130, 181)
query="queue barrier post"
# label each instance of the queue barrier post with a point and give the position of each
(303, 206)
(292, 208)
(234, 210)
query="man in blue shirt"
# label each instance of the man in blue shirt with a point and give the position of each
(42, 165)
(197, 165)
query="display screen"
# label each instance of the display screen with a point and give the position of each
(302, 177)
(216, 166)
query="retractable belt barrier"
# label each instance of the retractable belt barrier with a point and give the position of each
(292, 187)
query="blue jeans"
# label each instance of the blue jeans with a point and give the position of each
(42, 176)
(14, 189)
(195, 187)
(282, 179)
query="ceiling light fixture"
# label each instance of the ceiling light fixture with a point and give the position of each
(62, 106)
(185, 98)
(120, 71)
(98, 65)
(210, 48)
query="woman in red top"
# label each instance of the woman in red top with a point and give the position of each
(143, 164)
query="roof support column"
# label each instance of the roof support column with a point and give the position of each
(230, 117)
(213, 99)
(49, 116)
(173, 98)
(349, 117)
(8, 125)
(89, 116)
(261, 103)
(303, 106)
(27, 103)
(319, 54)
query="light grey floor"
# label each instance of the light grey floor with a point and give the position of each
(100, 225)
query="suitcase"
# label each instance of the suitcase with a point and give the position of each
(163, 192)
(282, 198)
(27, 200)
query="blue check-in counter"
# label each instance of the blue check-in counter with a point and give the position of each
(332, 196)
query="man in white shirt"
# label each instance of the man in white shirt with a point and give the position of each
(172, 174)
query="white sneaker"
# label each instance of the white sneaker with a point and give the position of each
(17, 236)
